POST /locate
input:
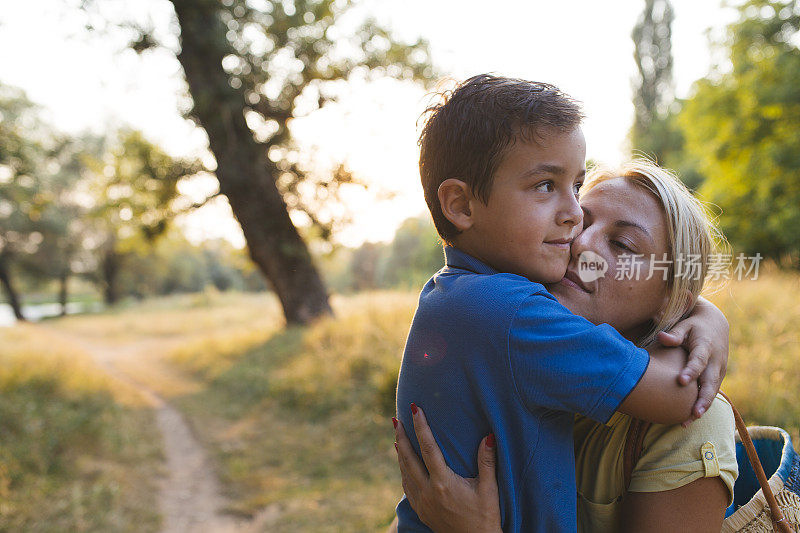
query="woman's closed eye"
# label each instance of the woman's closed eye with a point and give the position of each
(621, 245)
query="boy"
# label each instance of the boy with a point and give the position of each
(489, 350)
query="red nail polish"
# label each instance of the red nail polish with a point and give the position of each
(395, 447)
(490, 442)
(394, 421)
(414, 408)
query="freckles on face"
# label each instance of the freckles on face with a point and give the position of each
(620, 219)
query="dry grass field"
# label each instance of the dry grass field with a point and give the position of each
(297, 420)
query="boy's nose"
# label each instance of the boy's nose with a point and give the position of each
(571, 212)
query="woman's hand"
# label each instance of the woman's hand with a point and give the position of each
(442, 499)
(704, 334)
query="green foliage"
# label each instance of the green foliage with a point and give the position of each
(61, 220)
(741, 128)
(135, 184)
(254, 67)
(24, 196)
(134, 187)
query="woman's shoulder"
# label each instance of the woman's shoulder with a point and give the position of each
(717, 422)
(673, 456)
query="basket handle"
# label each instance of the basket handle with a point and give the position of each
(779, 522)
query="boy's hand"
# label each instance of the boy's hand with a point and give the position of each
(704, 334)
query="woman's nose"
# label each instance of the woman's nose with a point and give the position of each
(579, 244)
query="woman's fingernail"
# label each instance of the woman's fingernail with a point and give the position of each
(701, 411)
(414, 408)
(394, 421)
(395, 447)
(490, 442)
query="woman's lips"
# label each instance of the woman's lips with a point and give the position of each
(571, 280)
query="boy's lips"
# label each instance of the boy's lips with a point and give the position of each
(560, 243)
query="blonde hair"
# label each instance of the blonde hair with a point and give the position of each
(691, 231)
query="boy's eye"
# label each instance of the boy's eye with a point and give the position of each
(545, 186)
(577, 187)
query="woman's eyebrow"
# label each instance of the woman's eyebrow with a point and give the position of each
(629, 224)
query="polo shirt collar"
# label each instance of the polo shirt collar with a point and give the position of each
(457, 259)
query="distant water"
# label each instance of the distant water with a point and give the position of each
(40, 311)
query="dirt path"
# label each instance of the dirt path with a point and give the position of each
(190, 496)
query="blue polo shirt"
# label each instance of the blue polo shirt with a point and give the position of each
(490, 352)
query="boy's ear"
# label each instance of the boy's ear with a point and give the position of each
(454, 199)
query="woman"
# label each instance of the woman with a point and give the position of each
(658, 243)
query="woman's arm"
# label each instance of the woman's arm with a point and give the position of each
(700, 504)
(446, 502)
(442, 499)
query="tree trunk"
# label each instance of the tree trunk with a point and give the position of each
(110, 271)
(245, 174)
(63, 280)
(11, 293)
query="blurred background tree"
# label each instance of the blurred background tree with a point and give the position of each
(735, 138)
(414, 254)
(61, 221)
(134, 185)
(654, 131)
(741, 129)
(24, 200)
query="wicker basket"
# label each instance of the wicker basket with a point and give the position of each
(750, 511)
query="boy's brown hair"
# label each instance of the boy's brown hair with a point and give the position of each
(467, 133)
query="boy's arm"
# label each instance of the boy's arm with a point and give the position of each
(659, 397)
(704, 334)
(561, 361)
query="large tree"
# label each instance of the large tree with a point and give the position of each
(251, 68)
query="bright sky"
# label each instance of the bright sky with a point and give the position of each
(583, 46)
